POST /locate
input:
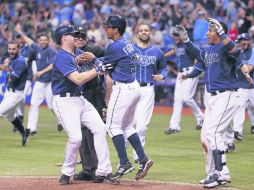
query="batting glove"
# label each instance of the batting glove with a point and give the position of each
(182, 33)
(216, 26)
(102, 68)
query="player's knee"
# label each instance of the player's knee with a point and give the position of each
(188, 100)
(141, 132)
(75, 139)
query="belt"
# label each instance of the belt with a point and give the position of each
(214, 93)
(142, 84)
(118, 82)
(71, 94)
(11, 89)
(185, 69)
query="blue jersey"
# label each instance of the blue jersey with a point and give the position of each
(121, 54)
(220, 74)
(28, 53)
(150, 61)
(64, 65)
(245, 56)
(18, 73)
(44, 57)
(184, 58)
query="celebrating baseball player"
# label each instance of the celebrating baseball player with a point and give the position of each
(150, 68)
(73, 110)
(221, 83)
(28, 53)
(124, 97)
(246, 90)
(94, 93)
(45, 56)
(184, 89)
(16, 68)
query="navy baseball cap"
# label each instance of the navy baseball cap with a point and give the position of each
(116, 22)
(243, 36)
(64, 30)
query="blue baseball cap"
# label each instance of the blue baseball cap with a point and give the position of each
(243, 36)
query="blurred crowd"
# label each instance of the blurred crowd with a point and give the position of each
(38, 16)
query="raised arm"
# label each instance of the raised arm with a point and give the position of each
(28, 40)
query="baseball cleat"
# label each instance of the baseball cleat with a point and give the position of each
(170, 131)
(25, 136)
(214, 181)
(238, 136)
(123, 169)
(106, 179)
(144, 166)
(231, 147)
(82, 176)
(252, 129)
(199, 124)
(64, 179)
(59, 127)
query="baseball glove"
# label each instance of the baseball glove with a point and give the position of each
(215, 25)
(182, 33)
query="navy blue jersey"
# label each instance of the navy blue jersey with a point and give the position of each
(121, 54)
(245, 56)
(150, 61)
(17, 74)
(220, 74)
(184, 58)
(64, 65)
(44, 57)
(28, 53)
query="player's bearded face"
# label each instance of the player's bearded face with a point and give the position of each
(43, 41)
(245, 44)
(13, 50)
(144, 34)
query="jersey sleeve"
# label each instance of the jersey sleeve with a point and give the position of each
(66, 68)
(35, 47)
(110, 54)
(200, 66)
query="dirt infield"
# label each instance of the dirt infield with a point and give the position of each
(52, 184)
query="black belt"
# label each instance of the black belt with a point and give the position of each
(214, 93)
(142, 84)
(70, 94)
(184, 69)
(115, 82)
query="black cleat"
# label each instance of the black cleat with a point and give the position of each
(123, 169)
(238, 136)
(144, 166)
(231, 147)
(106, 179)
(59, 127)
(33, 133)
(214, 181)
(82, 176)
(199, 124)
(170, 131)
(64, 179)
(252, 129)
(25, 136)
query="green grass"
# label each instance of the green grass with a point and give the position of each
(178, 158)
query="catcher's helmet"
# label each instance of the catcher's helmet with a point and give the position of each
(63, 30)
(116, 22)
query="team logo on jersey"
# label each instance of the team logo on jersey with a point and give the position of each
(39, 56)
(180, 51)
(211, 58)
(145, 60)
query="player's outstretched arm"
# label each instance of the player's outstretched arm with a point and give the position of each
(28, 40)
(246, 72)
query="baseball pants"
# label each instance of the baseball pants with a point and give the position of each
(184, 93)
(73, 112)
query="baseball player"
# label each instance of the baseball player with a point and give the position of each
(45, 56)
(94, 93)
(27, 52)
(73, 110)
(184, 89)
(246, 90)
(221, 83)
(124, 97)
(16, 68)
(150, 68)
